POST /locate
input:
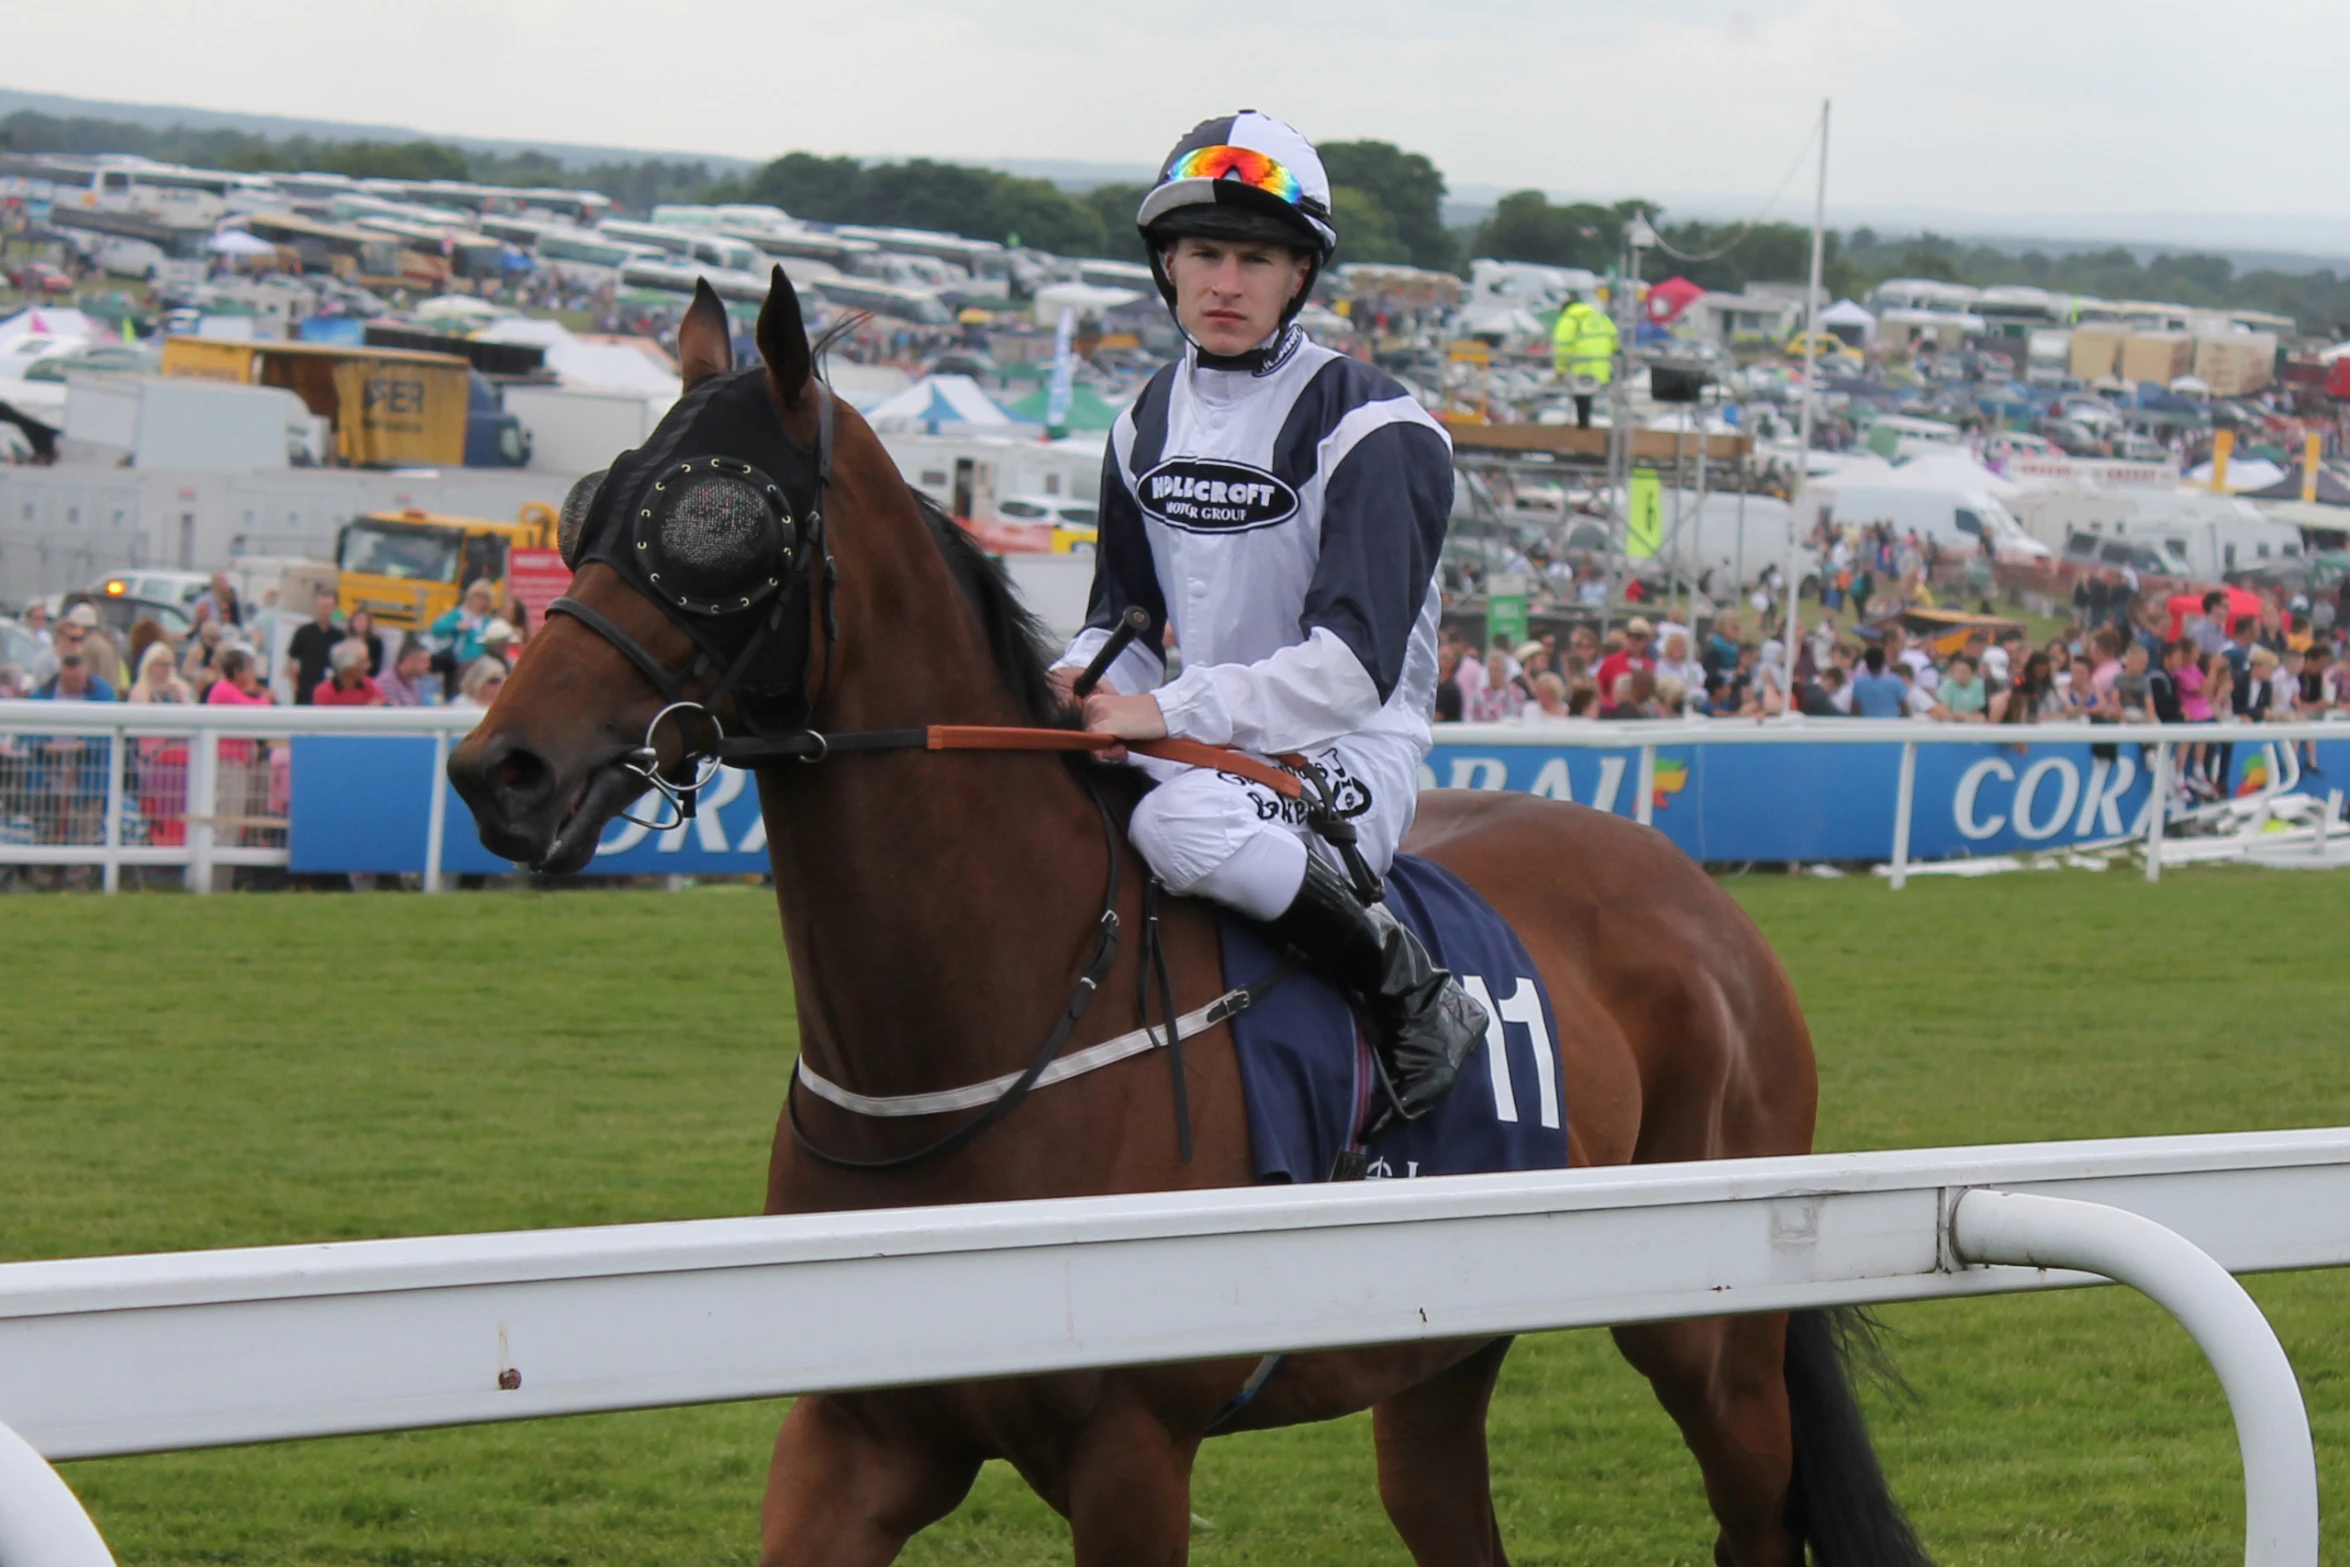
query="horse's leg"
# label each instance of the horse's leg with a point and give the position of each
(1128, 1480)
(850, 1484)
(1724, 1381)
(1432, 1466)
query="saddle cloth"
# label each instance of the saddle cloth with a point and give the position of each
(1307, 1070)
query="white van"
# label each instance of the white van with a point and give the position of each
(1898, 436)
(1959, 519)
(2215, 534)
(1733, 537)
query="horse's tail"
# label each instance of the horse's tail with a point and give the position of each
(1841, 1504)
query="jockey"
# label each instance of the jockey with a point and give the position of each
(1279, 509)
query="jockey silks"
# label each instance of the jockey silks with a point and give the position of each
(1284, 524)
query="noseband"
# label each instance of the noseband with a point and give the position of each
(791, 549)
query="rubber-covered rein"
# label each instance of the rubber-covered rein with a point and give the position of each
(811, 746)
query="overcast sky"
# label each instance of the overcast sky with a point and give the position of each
(2051, 107)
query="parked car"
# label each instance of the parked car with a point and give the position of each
(1072, 524)
(167, 587)
(39, 277)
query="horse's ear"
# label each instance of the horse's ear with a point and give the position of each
(705, 340)
(783, 341)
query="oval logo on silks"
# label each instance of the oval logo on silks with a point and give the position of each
(1208, 495)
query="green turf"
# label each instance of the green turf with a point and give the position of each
(182, 1072)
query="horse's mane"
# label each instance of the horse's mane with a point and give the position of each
(1016, 639)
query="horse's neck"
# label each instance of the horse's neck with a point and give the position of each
(937, 905)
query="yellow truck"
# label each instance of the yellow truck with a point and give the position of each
(408, 568)
(388, 407)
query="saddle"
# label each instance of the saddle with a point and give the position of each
(1306, 1068)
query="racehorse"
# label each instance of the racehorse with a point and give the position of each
(939, 905)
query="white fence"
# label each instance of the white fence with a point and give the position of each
(114, 785)
(153, 1353)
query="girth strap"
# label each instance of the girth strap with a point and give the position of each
(1077, 1063)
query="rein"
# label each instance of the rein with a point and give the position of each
(809, 745)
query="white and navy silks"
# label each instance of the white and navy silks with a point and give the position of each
(1284, 524)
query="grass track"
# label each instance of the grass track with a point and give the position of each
(177, 1072)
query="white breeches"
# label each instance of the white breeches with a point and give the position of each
(1212, 835)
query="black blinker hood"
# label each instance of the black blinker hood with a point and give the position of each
(732, 418)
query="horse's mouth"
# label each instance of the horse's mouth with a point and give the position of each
(601, 795)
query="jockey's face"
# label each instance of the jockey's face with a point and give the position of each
(1229, 294)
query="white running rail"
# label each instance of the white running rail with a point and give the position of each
(152, 1353)
(107, 801)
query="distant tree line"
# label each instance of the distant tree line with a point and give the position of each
(1388, 203)
(2319, 300)
(638, 186)
(1526, 226)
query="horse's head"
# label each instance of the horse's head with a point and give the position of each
(697, 563)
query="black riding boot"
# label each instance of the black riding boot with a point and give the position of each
(1423, 1024)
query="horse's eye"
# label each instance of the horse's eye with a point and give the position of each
(574, 516)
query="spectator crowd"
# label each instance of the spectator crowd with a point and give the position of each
(2140, 661)
(53, 788)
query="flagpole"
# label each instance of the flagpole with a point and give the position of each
(1811, 352)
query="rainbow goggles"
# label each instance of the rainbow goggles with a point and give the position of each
(1249, 167)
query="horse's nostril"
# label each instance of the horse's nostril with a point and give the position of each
(521, 772)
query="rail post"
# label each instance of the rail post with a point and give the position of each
(2272, 1426)
(203, 805)
(2157, 797)
(1904, 801)
(436, 815)
(116, 742)
(42, 1523)
(1644, 807)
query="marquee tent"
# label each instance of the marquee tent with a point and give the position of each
(1845, 313)
(2331, 490)
(943, 404)
(1087, 410)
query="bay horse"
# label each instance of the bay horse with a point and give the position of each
(938, 906)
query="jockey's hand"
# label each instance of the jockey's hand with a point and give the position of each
(1127, 717)
(1064, 682)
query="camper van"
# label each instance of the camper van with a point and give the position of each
(589, 261)
(967, 473)
(1959, 519)
(1898, 436)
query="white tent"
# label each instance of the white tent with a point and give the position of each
(2247, 473)
(596, 364)
(942, 404)
(1845, 313)
(1951, 471)
(1086, 299)
(458, 309)
(236, 242)
(47, 321)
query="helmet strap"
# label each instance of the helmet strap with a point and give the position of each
(1266, 354)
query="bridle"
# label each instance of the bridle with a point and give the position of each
(800, 557)
(785, 733)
